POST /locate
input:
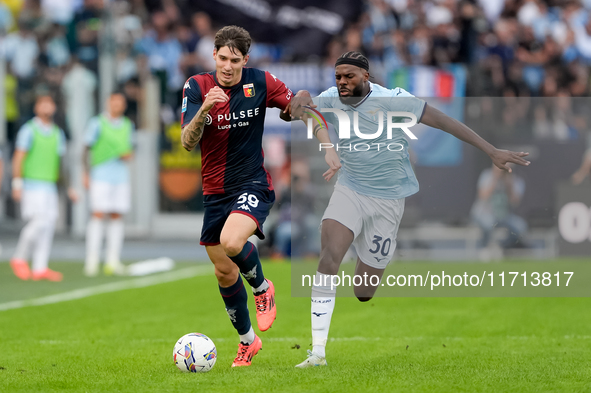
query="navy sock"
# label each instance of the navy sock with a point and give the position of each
(236, 298)
(250, 265)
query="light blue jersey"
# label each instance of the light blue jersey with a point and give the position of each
(24, 141)
(113, 171)
(378, 167)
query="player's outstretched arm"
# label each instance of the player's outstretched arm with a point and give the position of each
(192, 132)
(299, 108)
(331, 157)
(435, 118)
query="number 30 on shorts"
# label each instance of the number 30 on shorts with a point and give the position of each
(383, 248)
(253, 201)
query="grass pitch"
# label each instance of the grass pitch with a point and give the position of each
(123, 341)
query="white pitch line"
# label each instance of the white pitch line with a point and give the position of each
(142, 282)
(338, 339)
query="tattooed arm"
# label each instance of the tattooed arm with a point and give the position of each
(192, 132)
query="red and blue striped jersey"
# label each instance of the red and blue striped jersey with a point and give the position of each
(231, 146)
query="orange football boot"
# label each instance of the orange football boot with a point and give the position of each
(47, 274)
(20, 267)
(247, 352)
(266, 310)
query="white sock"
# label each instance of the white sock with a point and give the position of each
(94, 241)
(261, 288)
(323, 301)
(247, 338)
(27, 239)
(43, 245)
(114, 241)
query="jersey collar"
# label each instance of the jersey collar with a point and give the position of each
(43, 126)
(215, 79)
(112, 120)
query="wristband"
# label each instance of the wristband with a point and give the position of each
(17, 183)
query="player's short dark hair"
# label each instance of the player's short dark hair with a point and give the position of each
(235, 38)
(44, 95)
(117, 92)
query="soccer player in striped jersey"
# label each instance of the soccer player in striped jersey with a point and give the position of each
(368, 200)
(106, 174)
(40, 146)
(223, 111)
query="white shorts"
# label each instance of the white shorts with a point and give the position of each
(373, 221)
(39, 204)
(109, 198)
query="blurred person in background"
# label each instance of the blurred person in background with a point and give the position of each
(36, 164)
(34, 14)
(6, 19)
(133, 96)
(579, 176)
(163, 53)
(304, 223)
(294, 233)
(83, 33)
(202, 25)
(78, 88)
(280, 238)
(499, 192)
(22, 53)
(188, 39)
(12, 112)
(55, 51)
(106, 175)
(59, 11)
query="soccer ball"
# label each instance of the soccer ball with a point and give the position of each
(194, 353)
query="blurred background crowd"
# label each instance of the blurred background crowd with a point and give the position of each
(521, 51)
(510, 47)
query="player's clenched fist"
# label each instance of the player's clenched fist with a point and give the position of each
(215, 95)
(295, 108)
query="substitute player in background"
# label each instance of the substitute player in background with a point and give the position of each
(224, 112)
(106, 175)
(368, 201)
(40, 145)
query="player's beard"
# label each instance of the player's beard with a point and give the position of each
(355, 97)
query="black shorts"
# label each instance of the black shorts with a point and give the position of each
(254, 203)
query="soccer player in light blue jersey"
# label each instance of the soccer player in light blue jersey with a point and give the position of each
(109, 141)
(37, 165)
(368, 201)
